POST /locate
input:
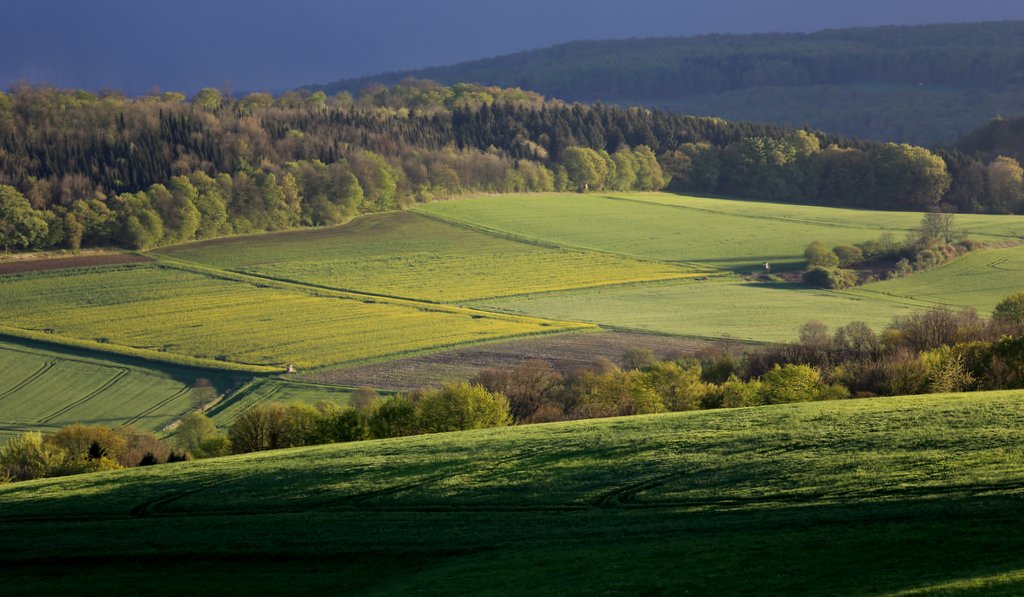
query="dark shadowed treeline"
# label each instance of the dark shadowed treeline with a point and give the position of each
(81, 169)
(927, 84)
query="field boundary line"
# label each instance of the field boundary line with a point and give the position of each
(461, 302)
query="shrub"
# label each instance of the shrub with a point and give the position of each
(818, 255)
(947, 370)
(735, 393)
(680, 388)
(927, 259)
(637, 358)
(27, 457)
(83, 442)
(193, 430)
(833, 279)
(903, 267)
(528, 387)
(139, 445)
(1010, 310)
(364, 399)
(848, 255)
(791, 383)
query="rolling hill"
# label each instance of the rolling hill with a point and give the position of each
(917, 495)
(926, 84)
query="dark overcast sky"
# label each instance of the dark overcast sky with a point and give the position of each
(184, 45)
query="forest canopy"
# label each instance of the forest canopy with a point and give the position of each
(80, 169)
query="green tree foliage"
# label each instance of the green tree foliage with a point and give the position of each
(20, 225)
(461, 406)
(395, 417)
(848, 255)
(194, 434)
(177, 209)
(212, 206)
(1010, 310)
(313, 160)
(791, 383)
(340, 424)
(26, 457)
(1006, 185)
(818, 255)
(208, 99)
(910, 176)
(586, 168)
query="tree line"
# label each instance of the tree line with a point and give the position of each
(81, 169)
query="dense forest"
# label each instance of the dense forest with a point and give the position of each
(999, 137)
(79, 169)
(926, 84)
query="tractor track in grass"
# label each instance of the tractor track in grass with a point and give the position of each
(618, 498)
(28, 380)
(138, 417)
(121, 374)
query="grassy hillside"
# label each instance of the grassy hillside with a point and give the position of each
(896, 495)
(43, 389)
(237, 320)
(406, 254)
(977, 280)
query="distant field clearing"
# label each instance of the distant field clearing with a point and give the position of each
(197, 315)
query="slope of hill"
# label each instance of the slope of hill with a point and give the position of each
(914, 495)
(978, 66)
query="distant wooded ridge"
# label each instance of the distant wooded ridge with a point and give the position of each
(78, 169)
(924, 84)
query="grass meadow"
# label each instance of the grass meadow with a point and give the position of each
(714, 308)
(408, 255)
(168, 310)
(907, 496)
(727, 234)
(978, 280)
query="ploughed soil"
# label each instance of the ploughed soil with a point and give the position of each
(37, 265)
(563, 351)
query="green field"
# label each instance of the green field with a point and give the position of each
(43, 390)
(167, 310)
(977, 280)
(982, 226)
(918, 495)
(713, 308)
(408, 255)
(733, 235)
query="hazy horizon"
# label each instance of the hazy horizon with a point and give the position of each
(270, 46)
